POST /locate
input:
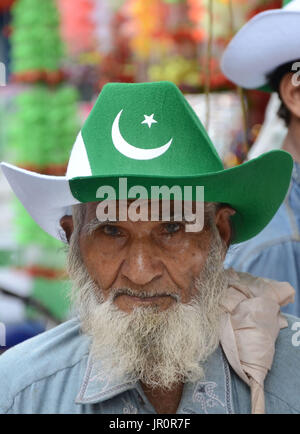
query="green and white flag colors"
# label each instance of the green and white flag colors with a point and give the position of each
(268, 40)
(148, 134)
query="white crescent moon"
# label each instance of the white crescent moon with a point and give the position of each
(131, 151)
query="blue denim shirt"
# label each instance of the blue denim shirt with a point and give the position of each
(53, 373)
(275, 252)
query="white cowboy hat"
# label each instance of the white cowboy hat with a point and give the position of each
(268, 40)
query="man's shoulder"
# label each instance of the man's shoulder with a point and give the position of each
(40, 357)
(283, 381)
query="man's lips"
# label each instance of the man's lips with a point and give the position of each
(149, 299)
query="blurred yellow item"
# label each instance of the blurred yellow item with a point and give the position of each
(177, 69)
(231, 160)
(146, 16)
(90, 58)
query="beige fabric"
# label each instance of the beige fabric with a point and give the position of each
(250, 326)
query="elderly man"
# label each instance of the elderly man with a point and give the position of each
(161, 327)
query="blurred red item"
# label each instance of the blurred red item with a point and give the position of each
(46, 273)
(275, 4)
(53, 169)
(196, 13)
(196, 10)
(217, 79)
(27, 77)
(54, 77)
(183, 35)
(50, 77)
(5, 4)
(257, 101)
(77, 26)
(117, 65)
(198, 35)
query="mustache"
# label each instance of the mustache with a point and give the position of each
(142, 294)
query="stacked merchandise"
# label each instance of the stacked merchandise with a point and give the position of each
(42, 130)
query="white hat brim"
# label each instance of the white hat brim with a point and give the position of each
(268, 40)
(46, 198)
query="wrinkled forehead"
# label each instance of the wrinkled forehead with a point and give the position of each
(153, 210)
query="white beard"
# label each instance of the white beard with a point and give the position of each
(161, 349)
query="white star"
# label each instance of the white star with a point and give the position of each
(149, 120)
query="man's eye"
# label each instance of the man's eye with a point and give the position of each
(172, 228)
(111, 230)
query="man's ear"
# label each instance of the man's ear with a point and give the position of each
(222, 220)
(290, 94)
(66, 223)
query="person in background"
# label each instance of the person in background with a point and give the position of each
(265, 54)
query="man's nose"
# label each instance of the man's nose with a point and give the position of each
(141, 266)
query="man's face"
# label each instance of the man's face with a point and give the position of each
(143, 289)
(143, 263)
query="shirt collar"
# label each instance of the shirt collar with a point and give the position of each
(96, 387)
(211, 395)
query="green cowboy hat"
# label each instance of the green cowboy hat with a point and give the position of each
(149, 134)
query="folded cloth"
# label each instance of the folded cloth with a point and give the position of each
(250, 326)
